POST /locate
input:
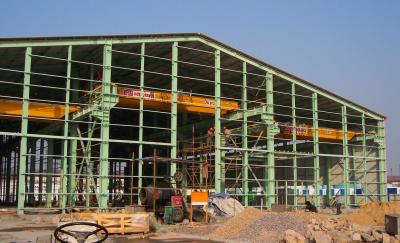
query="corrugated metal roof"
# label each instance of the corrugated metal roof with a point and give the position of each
(205, 37)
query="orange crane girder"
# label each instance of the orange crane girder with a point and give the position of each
(36, 109)
(162, 101)
(304, 132)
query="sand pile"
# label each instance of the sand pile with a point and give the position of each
(374, 213)
(233, 227)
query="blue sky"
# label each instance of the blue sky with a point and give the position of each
(349, 47)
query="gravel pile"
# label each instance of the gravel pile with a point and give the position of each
(232, 228)
(252, 225)
(274, 223)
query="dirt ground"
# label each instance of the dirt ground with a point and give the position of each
(252, 225)
(38, 228)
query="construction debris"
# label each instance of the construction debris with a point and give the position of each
(223, 205)
(292, 236)
(253, 225)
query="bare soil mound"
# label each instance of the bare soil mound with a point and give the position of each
(374, 213)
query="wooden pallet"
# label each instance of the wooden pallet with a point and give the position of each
(117, 223)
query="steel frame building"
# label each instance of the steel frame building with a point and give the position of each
(87, 122)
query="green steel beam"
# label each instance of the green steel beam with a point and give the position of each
(294, 142)
(49, 171)
(245, 154)
(238, 115)
(277, 73)
(174, 106)
(24, 131)
(269, 170)
(105, 126)
(382, 160)
(316, 148)
(345, 158)
(219, 183)
(34, 135)
(94, 41)
(102, 41)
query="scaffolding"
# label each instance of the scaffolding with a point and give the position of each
(78, 115)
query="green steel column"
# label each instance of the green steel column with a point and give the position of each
(8, 175)
(32, 160)
(219, 183)
(174, 106)
(269, 172)
(41, 153)
(316, 148)
(49, 173)
(89, 165)
(105, 126)
(141, 107)
(181, 136)
(16, 182)
(353, 173)
(2, 170)
(364, 158)
(73, 144)
(329, 180)
(64, 167)
(245, 156)
(72, 129)
(24, 131)
(294, 142)
(345, 158)
(382, 161)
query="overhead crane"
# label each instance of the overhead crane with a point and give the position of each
(161, 101)
(286, 130)
(10, 109)
(127, 98)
